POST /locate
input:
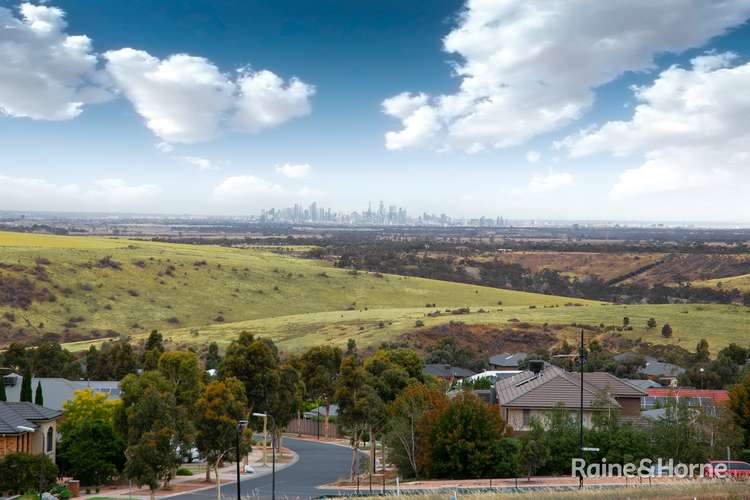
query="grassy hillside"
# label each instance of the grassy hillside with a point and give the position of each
(742, 283)
(101, 287)
(719, 324)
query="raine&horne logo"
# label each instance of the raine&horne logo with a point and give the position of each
(647, 468)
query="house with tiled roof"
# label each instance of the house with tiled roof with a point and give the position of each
(507, 361)
(29, 428)
(59, 390)
(447, 372)
(533, 394)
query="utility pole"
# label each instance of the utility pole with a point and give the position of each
(581, 359)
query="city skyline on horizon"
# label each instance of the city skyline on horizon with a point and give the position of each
(462, 107)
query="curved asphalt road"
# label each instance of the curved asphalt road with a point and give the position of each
(318, 464)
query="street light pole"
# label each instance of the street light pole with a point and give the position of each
(273, 450)
(240, 427)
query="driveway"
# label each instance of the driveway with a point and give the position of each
(318, 463)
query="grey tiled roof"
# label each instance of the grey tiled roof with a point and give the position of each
(23, 414)
(58, 390)
(643, 384)
(549, 388)
(659, 369)
(447, 371)
(615, 386)
(507, 360)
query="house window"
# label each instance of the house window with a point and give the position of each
(526, 418)
(50, 439)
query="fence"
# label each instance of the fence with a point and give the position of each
(313, 427)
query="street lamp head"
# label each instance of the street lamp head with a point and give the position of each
(256, 414)
(702, 370)
(23, 428)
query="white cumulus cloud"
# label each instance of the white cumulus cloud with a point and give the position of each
(689, 132)
(265, 100)
(45, 74)
(298, 171)
(530, 66)
(182, 98)
(187, 99)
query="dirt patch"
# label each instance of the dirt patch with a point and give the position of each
(486, 340)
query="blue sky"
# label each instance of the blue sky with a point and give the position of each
(521, 110)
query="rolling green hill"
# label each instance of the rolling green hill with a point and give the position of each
(86, 288)
(742, 283)
(719, 324)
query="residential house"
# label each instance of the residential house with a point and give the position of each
(447, 372)
(643, 383)
(493, 375)
(666, 373)
(58, 390)
(706, 399)
(507, 361)
(26, 427)
(534, 393)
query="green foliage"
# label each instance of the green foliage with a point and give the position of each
(676, 436)
(213, 359)
(182, 369)
(219, 408)
(561, 439)
(86, 406)
(3, 396)
(448, 351)
(402, 432)
(319, 367)
(253, 361)
(20, 472)
(283, 400)
(651, 323)
(114, 361)
(182, 471)
(739, 404)
(147, 418)
(702, 354)
(666, 331)
(38, 395)
(466, 439)
(392, 370)
(533, 452)
(61, 492)
(49, 359)
(26, 385)
(92, 452)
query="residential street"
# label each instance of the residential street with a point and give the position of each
(318, 464)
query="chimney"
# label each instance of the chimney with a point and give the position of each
(536, 365)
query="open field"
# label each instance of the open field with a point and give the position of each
(719, 324)
(104, 287)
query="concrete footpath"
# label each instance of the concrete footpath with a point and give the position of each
(181, 485)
